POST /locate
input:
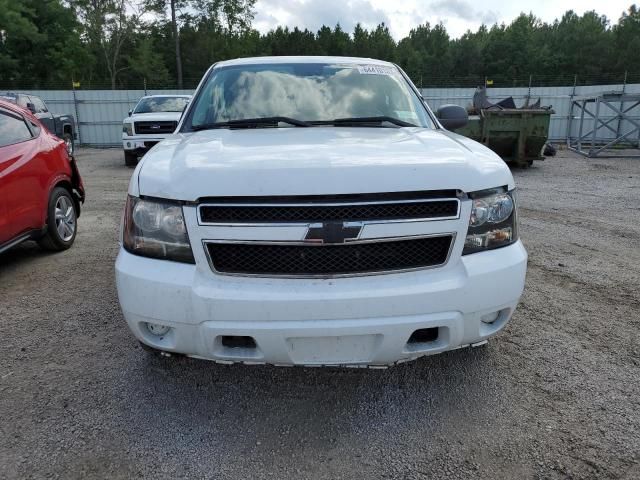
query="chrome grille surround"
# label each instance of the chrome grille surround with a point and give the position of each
(376, 212)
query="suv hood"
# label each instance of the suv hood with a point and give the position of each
(315, 161)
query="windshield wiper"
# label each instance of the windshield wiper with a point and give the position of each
(251, 123)
(365, 121)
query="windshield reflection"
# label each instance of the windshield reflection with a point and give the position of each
(162, 104)
(308, 92)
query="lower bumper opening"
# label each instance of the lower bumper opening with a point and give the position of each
(237, 348)
(236, 341)
(424, 335)
(425, 340)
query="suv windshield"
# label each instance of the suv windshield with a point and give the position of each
(161, 104)
(307, 92)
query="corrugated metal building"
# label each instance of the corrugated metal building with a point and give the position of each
(100, 112)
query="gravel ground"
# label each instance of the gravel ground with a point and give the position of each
(556, 395)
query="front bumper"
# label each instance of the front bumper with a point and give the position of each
(346, 321)
(141, 144)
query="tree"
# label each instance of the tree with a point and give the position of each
(627, 41)
(584, 43)
(122, 41)
(333, 42)
(466, 54)
(160, 7)
(377, 43)
(16, 27)
(425, 53)
(36, 34)
(231, 16)
(148, 64)
(381, 43)
(108, 25)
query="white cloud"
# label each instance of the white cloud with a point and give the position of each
(463, 10)
(312, 14)
(403, 15)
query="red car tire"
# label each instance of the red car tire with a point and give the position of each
(62, 223)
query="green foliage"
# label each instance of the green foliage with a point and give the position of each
(122, 43)
(148, 64)
(16, 29)
(626, 39)
(35, 36)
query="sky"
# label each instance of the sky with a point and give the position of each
(400, 16)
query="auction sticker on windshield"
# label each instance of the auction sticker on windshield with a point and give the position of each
(375, 70)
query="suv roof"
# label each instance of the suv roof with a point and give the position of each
(181, 95)
(303, 59)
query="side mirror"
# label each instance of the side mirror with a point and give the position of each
(452, 116)
(130, 112)
(31, 107)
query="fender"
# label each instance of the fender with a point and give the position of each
(72, 180)
(55, 181)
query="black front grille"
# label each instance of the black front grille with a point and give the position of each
(151, 128)
(327, 260)
(326, 213)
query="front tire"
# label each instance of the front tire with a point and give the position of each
(130, 159)
(62, 221)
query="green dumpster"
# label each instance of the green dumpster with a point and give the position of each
(517, 135)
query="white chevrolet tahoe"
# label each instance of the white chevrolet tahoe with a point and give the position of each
(153, 119)
(314, 211)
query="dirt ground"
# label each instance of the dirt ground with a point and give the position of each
(556, 395)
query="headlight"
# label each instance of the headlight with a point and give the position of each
(154, 228)
(127, 127)
(493, 221)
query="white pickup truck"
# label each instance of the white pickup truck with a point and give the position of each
(153, 119)
(314, 211)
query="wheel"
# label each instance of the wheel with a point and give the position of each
(549, 150)
(62, 222)
(68, 141)
(130, 159)
(519, 164)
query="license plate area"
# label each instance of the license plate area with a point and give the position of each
(334, 350)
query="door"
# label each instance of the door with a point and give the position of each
(43, 114)
(20, 189)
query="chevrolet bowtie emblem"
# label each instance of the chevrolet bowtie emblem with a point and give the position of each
(333, 232)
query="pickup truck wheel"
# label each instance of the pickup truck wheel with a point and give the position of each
(68, 141)
(130, 159)
(62, 223)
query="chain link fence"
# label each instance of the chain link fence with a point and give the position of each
(422, 80)
(99, 112)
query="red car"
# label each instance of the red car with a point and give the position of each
(40, 187)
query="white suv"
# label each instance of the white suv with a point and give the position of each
(314, 211)
(153, 119)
